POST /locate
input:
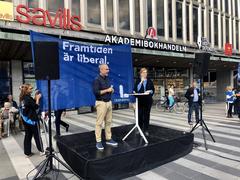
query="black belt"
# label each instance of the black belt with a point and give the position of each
(104, 100)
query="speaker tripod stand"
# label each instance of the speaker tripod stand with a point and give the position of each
(46, 166)
(201, 121)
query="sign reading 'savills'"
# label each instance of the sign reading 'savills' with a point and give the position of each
(151, 41)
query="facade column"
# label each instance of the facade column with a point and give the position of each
(166, 20)
(103, 7)
(191, 22)
(143, 17)
(184, 23)
(116, 15)
(132, 16)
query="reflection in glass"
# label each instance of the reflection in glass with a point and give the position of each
(149, 5)
(93, 11)
(187, 21)
(179, 19)
(54, 5)
(110, 13)
(76, 8)
(195, 24)
(237, 35)
(137, 15)
(227, 30)
(216, 31)
(160, 17)
(124, 19)
(5, 80)
(33, 3)
(170, 18)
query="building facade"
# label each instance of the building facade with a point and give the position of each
(164, 35)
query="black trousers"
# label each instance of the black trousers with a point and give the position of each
(229, 109)
(32, 131)
(58, 121)
(144, 110)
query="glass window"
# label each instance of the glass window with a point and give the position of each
(237, 35)
(216, 29)
(54, 5)
(76, 8)
(170, 18)
(28, 74)
(149, 4)
(203, 22)
(110, 13)
(236, 7)
(179, 20)
(5, 81)
(227, 30)
(33, 3)
(187, 21)
(93, 11)
(210, 27)
(215, 4)
(124, 17)
(226, 6)
(195, 24)
(137, 15)
(160, 18)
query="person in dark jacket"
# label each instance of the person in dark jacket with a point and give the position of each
(28, 112)
(194, 101)
(144, 85)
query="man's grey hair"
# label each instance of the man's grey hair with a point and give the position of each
(101, 65)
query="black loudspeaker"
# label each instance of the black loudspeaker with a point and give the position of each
(200, 65)
(46, 60)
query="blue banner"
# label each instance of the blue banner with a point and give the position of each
(79, 67)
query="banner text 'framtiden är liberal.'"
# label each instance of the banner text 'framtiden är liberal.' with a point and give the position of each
(78, 52)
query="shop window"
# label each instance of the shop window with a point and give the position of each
(94, 12)
(137, 15)
(160, 18)
(226, 6)
(33, 3)
(110, 13)
(124, 18)
(76, 8)
(215, 5)
(5, 81)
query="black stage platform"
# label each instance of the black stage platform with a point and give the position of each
(129, 158)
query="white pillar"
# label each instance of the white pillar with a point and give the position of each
(143, 15)
(166, 21)
(220, 30)
(230, 22)
(184, 23)
(200, 34)
(83, 12)
(154, 14)
(103, 7)
(132, 16)
(191, 22)
(116, 15)
(174, 24)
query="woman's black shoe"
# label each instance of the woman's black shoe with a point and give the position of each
(67, 128)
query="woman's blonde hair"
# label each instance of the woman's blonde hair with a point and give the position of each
(24, 91)
(143, 69)
(228, 88)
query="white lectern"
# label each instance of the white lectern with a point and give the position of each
(136, 117)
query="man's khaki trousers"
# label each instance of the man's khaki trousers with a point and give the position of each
(104, 114)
